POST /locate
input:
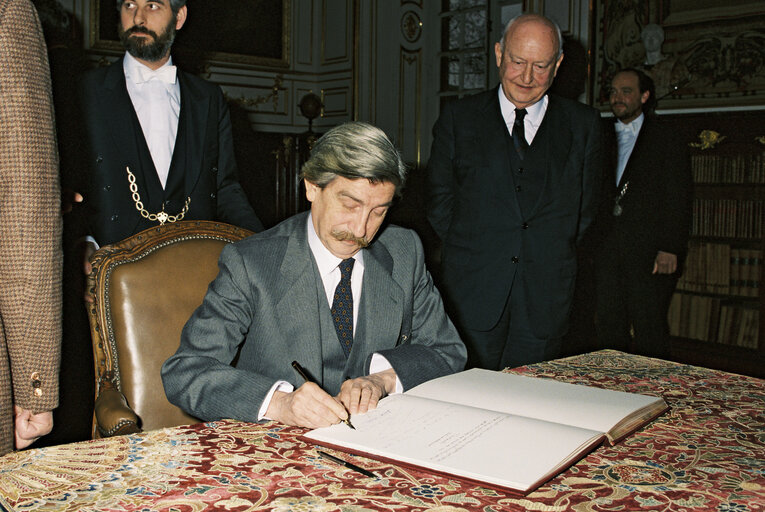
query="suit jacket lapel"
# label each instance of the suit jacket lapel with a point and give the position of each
(611, 146)
(195, 108)
(494, 135)
(380, 308)
(298, 272)
(636, 152)
(555, 155)
(121, 120)
(554, 124)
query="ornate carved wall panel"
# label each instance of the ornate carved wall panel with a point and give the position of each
(711, 54)
(336, 24)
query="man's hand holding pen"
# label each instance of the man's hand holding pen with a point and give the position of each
(312, 407)
(307, 406)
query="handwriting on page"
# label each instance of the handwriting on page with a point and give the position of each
(446, 424)
(452, 442)
(509, 450)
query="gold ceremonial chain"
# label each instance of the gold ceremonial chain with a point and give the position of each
(162, 216)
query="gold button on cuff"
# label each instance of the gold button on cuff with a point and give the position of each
(36, 384)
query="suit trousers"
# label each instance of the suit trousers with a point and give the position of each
(630, 298)
(510, 342)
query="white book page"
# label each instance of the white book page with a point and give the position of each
(544, 399)
(484, 445)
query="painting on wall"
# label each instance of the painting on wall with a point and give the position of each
(239, 31)
(700, 53)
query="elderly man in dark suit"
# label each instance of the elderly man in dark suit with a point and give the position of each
(30, 232)
(159, 142)
(645, 221)
(513, 176)
(358, 309)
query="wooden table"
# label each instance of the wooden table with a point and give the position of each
(706, 454)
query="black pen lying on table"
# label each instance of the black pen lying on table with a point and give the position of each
(306, 378)
(346, 464)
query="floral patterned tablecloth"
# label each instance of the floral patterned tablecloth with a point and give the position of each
(706, 454)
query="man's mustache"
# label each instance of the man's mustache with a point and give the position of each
(137, 29)
(342, 236)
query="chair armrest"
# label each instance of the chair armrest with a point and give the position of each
(113, 415)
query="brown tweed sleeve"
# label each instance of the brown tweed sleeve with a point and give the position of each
(30, 213)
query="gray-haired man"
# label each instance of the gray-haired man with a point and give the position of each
(512, 177)
(356, 307)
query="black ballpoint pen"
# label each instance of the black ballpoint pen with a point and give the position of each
(347, 464)
(306, 378)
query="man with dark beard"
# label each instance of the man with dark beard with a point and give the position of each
(155, 144)
(158, 140)
(643, 224)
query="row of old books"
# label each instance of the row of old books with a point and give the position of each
(706, 318)
(736, 168)
(722, 269)
(730, 218)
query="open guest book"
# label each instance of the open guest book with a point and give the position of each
(492, 428)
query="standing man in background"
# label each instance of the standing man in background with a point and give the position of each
(156, 144)
(30, 232)
(159, 141)
(645, 218)
(513, 175)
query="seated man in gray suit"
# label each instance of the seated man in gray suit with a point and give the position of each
(362, 316)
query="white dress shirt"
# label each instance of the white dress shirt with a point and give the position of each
(534, 115)
(626, 135)
(329, 271)
(156, 97)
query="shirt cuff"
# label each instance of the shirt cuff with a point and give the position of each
(279, 385)
(88, 238)
(379, 364)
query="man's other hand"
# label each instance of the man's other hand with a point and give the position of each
(362, 394)
(86, 250)
(665, 263)
(31, 427)
(68, 198)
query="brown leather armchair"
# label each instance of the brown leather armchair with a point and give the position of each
(145, 289)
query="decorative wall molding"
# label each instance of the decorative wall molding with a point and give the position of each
(336, 101)
(411, 26)
(256, 101)
(336, 27)
(410, 104)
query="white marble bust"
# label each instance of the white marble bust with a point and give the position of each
(653, 37)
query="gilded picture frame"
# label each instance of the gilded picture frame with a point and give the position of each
(712, 55)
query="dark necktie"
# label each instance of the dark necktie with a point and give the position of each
(519, 132)
(342, 307)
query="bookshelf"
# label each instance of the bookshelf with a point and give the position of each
(717, 315)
